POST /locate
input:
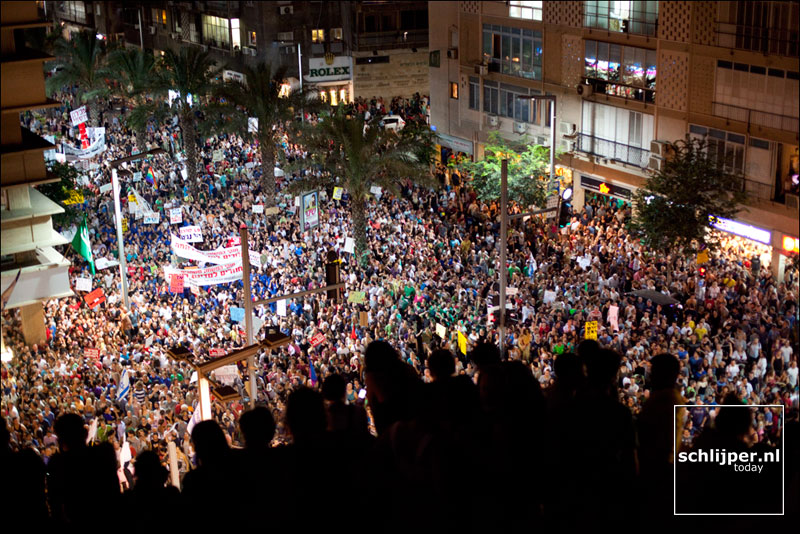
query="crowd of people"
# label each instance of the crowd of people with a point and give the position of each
(406, 407)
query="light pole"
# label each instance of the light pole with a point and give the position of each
(123, 267)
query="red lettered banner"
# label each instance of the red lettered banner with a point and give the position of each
(95, 298)
(176, 283)
(216, 352)
(317, 339)
(93, 353)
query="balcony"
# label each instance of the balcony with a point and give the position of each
(391, 39)
(621, 90)
(612, 150)
(768, 41)
(758, 118)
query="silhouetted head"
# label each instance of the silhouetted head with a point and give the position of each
(485, 354)
(70, 432)
(733, 422)
(664, 370)
(442, 364)
(602, 367)
(569, 371)
(257, 426)
(334, 388)
(5, 436)
(380, 356)
(209, 442)
(305, 415)
(149, 471)
(587, 348)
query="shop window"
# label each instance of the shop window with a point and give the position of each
(336, 34)
(317, 36)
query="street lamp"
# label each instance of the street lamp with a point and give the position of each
(123, 267)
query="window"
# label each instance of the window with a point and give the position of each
(336, 34)
(286, 36)
(74, 11)
(454, 90)
(766, 27)
(251, 38)
(236, 33)
(513, 107)
(513, 51)
(216, 31)
(435, 58)
(164, 17)
(317, 36)
(616, 133)
(525, 10)
(637, 17)
(726, 147)
(474, 93)
(490, 97)
(624, 71)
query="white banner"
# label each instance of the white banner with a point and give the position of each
(226, 374)
(97, 137)
(258, 208)
(83, 284)
(175, 216)
(191, 234)
(220, 256)
(349, 245)
(218, 274)
(152, 218)
(78, 116)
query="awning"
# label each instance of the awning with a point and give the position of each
(455, 143)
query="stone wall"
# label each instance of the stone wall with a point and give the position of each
(406, 73)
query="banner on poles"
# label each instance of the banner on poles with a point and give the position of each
(220, 256)
(218, 274)
(191, 234)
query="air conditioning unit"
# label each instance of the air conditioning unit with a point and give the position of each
(493, 121)
(204, 47)
(520, 127)
(792, 202)
(286, 10)
(452, 53)
(566, 145)
(175, 35)
(567, 129)
(152, 30)
(543, 140)
(251, 51)
(584, 90)
(656, 163)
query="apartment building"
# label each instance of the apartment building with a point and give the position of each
(27, 238)
(344, 49)
(629, 76)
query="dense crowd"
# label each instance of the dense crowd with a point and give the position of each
(429, 281)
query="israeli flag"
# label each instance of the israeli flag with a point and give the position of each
(124, 385)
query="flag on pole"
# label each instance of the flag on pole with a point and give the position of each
(81, 244)
(124, 385)
(194, 420)
(353, 334)
(312, 373)
(150, 177)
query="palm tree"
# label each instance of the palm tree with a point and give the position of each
(364, 154)
(260, 98)
(188, 72)
(81, 61)
(134, 70)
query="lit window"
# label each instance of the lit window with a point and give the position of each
(251, 38)
(343, 95)
(317, 36)
(525, 10)
(336, 34)
(164, 17)
(454, 90)
(334, 99)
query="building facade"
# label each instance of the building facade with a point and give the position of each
(27, 237)
(629, 76)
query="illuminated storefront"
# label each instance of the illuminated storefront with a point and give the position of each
(332, 78)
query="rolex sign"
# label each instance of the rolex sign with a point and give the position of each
(329, 68)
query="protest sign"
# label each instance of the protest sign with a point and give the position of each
(194, 288)
(191, 234)
(318, 338)
(591, 330)
(124, 224)
(281, 308)
(216, 352)
(441, 331)
(226, 374)
(95, 298)
(137, 176)
(218, 257)
(83, 284)
(78, 116)
(92, 353)
(309, 215)
(337, 193)
(105, 188)
(376, 190)
(462, 343)
(258, 208)
(357, 297)
(175, 216)
(152, 218)
(176, 283)
(349, 245)
(549, 296)
(274, 210)
(237, 314)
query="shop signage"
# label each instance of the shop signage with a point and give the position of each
(790, 244)
(455, 143)
(744, 230)
(327, 69)
(605, 188)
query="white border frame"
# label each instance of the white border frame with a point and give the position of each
(714, 406)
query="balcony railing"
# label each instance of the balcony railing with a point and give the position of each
(781, 42)
(622, 90)
(759, 118)
(758, 190)
(392, 39)
(612, 150)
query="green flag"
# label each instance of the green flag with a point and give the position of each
(81, 244)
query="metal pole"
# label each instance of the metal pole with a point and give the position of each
(552, 141)
(141, 38)
(123, 268)
(503, 250)
(300, 76)
(248, 310)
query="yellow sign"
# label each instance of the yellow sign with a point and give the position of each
(124, 224)
(604, 189)
(591, 330)
(702, 257)
(337, 193)
(132, 198)
(75, 197)
(462, 343)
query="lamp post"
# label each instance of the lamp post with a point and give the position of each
(115, 187)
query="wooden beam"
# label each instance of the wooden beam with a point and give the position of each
(233, 357)
(299, 294)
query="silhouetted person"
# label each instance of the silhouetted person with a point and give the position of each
(23, 484)
(442, 364)
(258, 471)
(79, 474)
(485, 354)
(391, 386)
(660, 427)
(150, 492)
(343, 419)
(212, 479)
